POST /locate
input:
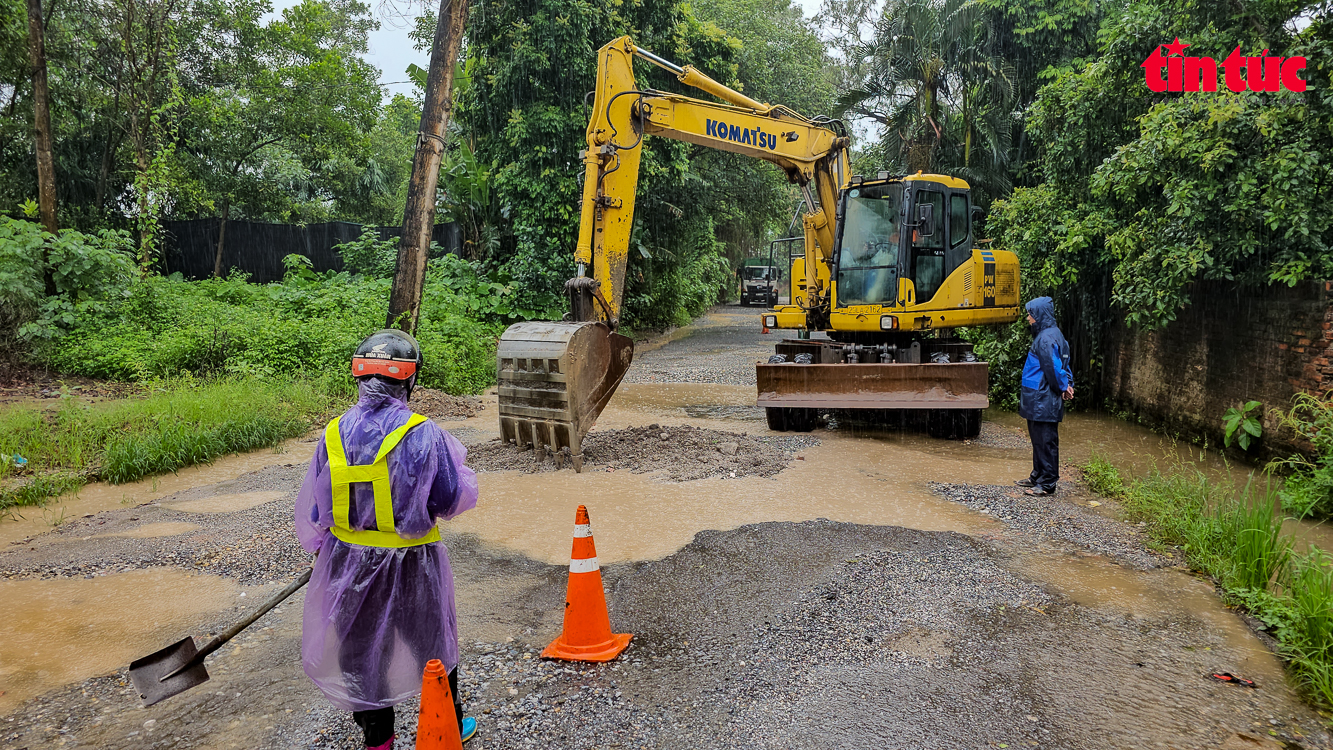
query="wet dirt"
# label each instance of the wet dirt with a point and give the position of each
(26, 522)
(155, 530)
(66, 630)
(440, 405)
(226, 503)
(671, 453)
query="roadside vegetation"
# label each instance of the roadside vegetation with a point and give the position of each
(174, 424)
(1236, 538)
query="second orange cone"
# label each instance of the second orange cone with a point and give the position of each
(587, 634)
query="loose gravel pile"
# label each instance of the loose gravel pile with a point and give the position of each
(1058, 519)
(679, 453)
(435, 404)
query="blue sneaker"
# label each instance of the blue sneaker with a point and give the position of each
(469, 728)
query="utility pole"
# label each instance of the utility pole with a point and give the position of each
(41, 127)
(409, 277)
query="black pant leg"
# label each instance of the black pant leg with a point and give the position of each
(1045, 453)
(458, 699)
(377, 725)
(1033, 437)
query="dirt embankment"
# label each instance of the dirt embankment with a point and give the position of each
(681, 453)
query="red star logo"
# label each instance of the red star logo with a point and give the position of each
(1176, 48)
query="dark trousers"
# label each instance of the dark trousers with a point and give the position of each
(378, 724)
(1045, 438)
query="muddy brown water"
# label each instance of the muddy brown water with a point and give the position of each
(68, 629)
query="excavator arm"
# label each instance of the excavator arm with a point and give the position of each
(812, 155)
(556, 377)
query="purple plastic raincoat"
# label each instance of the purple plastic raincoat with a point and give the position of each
(374, 616)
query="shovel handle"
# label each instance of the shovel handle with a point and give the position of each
(232, 632)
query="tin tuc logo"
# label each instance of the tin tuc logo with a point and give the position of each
(1263, 73)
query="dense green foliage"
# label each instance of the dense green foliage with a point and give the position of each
(524, 110)
(1237, 539)
(178, 423)
(1308, 492)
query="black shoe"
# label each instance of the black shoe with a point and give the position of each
(1025, 483)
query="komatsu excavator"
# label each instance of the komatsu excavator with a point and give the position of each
(890, 268)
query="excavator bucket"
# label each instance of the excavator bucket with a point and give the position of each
(555, 379)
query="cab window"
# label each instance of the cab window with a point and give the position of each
(958, 216)
(868, 253)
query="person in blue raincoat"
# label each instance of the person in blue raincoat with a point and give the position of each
(381, 598)
(1047, 384)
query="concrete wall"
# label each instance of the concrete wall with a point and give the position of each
(1227, 347)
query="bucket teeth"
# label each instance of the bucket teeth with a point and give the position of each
(554, 381)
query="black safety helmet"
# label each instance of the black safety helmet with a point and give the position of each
(389, 353)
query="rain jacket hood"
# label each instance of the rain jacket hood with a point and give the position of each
(1046, 373)
(375, 615)
(1042, 310)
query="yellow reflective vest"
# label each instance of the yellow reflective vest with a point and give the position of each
(343, 476)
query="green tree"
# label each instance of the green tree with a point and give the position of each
(931, 80)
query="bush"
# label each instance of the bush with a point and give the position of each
(307, 326)
(1309, 490)
(88, 271)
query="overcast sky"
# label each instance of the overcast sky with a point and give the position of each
(391, 50)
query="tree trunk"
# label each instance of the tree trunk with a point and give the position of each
(41, 127)
(409, 277)
(222, 237)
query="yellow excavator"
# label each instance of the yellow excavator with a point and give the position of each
(890, 268)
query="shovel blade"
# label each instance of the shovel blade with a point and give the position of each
(554, 380)
(147, 673)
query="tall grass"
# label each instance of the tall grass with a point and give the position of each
(1236, 537)
(178, 424)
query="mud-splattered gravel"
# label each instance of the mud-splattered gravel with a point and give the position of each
(677, 453)
(826, 635)
(253, 546)
(1059, 519)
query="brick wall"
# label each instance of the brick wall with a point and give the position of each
(1229, 346)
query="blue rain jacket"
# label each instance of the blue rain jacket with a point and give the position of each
(1046, 373)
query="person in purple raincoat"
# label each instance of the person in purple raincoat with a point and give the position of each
(381, 599)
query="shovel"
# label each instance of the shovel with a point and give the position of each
(180, 666)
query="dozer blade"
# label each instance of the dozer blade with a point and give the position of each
(555, 379)
(957, 385)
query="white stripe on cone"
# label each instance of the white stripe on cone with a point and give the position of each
(584, 566)
(582, 530)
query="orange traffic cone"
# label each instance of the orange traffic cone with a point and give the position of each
(437, 724)
(587, 635)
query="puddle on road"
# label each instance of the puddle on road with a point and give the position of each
(64, 630)
(156, 530)
(1157, 594)
(225, 503)
(635, 517)
(95, 498)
